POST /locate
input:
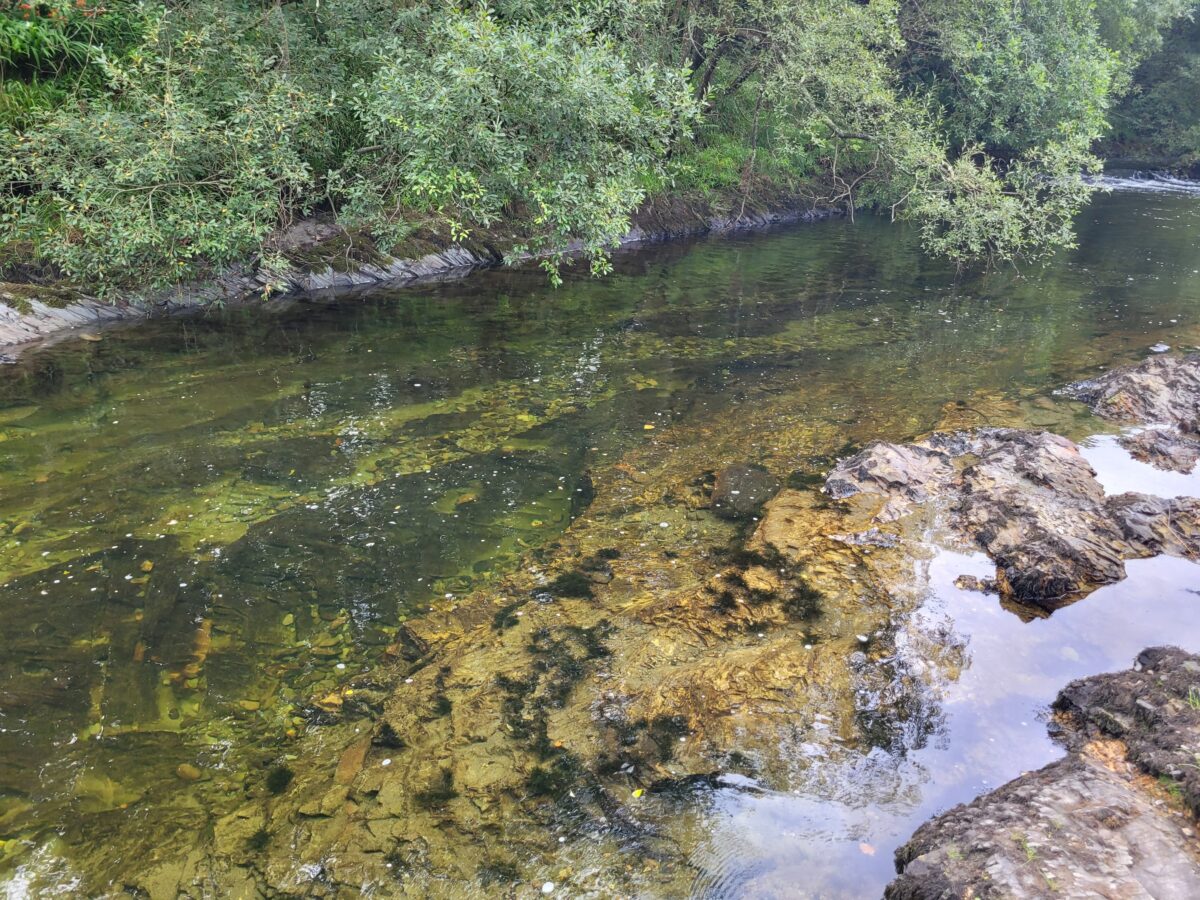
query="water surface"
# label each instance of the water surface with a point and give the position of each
(207, 523)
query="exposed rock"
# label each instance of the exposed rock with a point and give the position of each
(1029, 500)
(1095, 824)
(1159, 525)
(971, 583)
(1162, 390)
(905, 473)
(1153, 708)
(741, 490)
(1033, 504)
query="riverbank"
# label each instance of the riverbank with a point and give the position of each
(323, 258)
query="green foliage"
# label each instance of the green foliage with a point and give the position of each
(146, 141)
(1160, 119)
(547, 127)
(1008, 76)
(1021, 211)
(1136, 30)
(202, 141)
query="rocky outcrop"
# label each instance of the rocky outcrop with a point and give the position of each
(1163, 448)
(1030, 501)
(1113, 819)
(1163, 391)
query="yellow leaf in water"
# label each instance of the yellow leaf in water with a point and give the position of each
(866, 849)
(638, 792)
(648, 427)
(148, 566)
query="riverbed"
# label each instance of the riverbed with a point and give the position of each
(218, 533)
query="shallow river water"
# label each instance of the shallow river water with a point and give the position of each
(210, 527)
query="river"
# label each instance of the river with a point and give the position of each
(214, 529)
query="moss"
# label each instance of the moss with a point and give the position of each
(439, 793)
(571, 584)
(344, 252)
(743, 558)
(279, 778)
(387, 737)
(441, 703)
(506, 616)
(726, 602)
(802, 480)
(22, 296)
(553, 780)
(804, 603)
(666, 731)
(499, 871)
(258, 841)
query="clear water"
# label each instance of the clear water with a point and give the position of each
(207, 523)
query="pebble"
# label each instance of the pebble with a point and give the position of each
(188, 772)
(548, 887)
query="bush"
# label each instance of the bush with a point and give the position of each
(547, 127)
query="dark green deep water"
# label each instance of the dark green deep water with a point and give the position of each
(205, 522)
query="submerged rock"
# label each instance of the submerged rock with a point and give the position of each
(1110, 820)
(741, 490)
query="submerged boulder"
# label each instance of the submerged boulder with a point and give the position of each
(1112, 819)
(741, 490)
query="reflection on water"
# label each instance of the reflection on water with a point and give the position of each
(207, 527)
(1119, 473)
(839, 842)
